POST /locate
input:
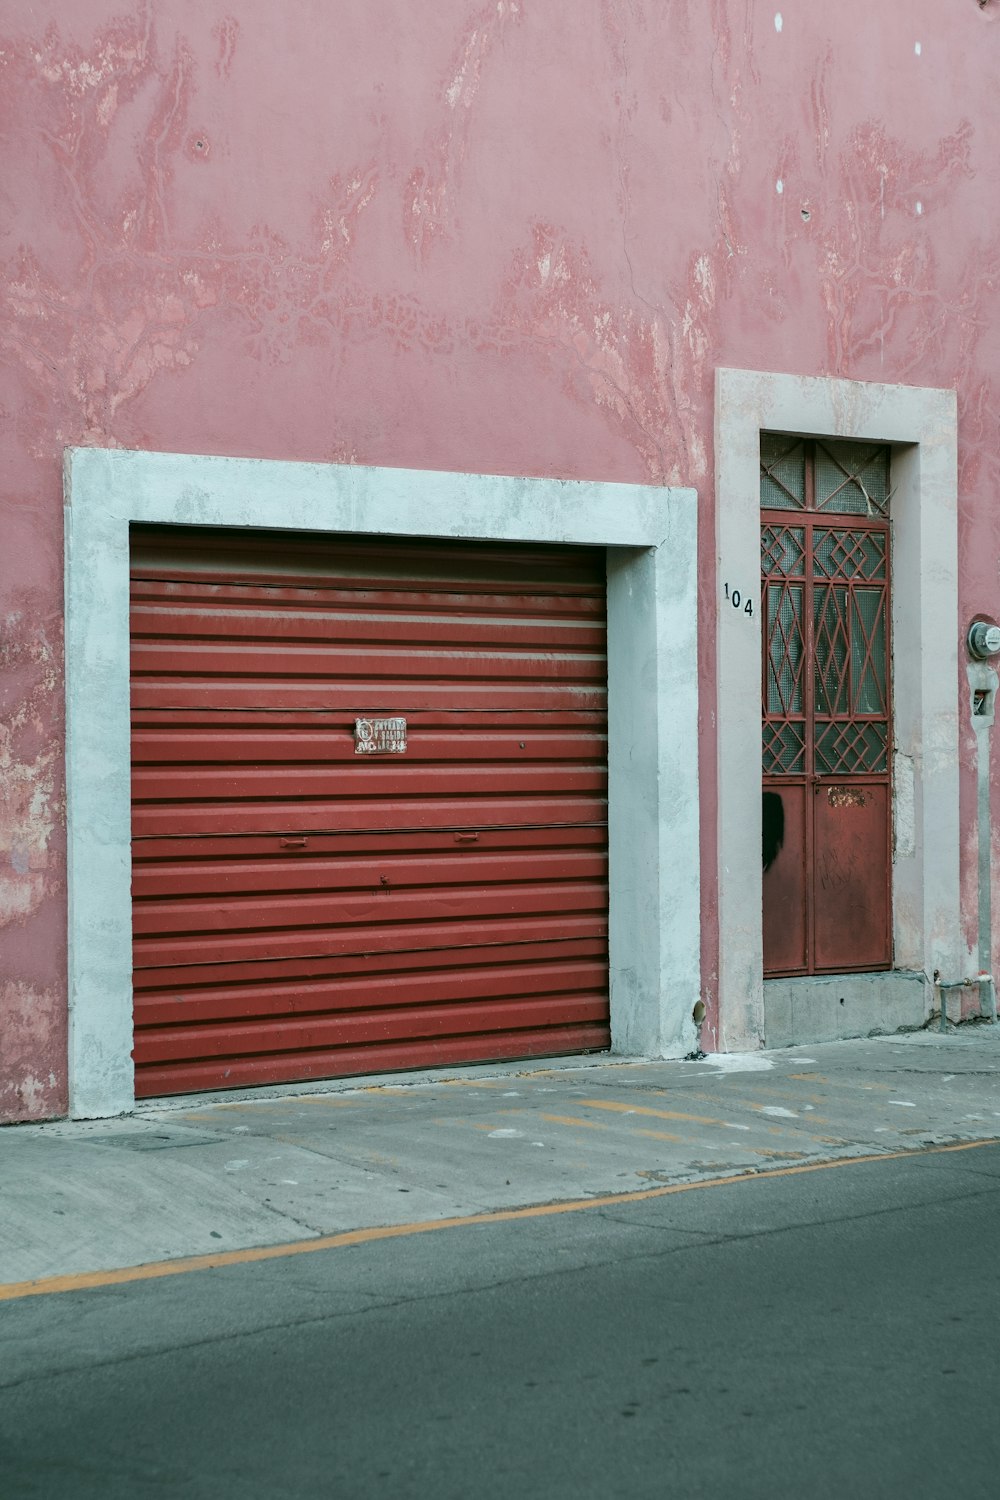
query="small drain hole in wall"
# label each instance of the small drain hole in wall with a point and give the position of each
(697, 1016)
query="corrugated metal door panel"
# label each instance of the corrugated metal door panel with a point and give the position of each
(339, 967)
(247, 1070)
(319, 816)
(301, 911)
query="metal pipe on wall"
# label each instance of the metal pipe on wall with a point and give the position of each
(983, 682)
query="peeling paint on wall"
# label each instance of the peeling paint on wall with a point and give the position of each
(136, 306)
(879, 280)
(33, 1021)
(431, 185)
(640, 372)
(29, 768)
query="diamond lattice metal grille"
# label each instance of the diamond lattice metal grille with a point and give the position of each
(782, 472)
(850, 554)
(850, 748)
(784, 749)
(825, 597)
(869, 679)
(832, 650)
(785, 655)
(852, 478)
(782, 550)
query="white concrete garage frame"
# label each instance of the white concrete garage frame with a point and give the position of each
(921, 424)
(651, 537)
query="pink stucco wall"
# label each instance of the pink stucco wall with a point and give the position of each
(514, 236)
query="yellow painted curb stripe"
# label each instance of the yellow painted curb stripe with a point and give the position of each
(572, 1121)
(86, 1280)
(645, 1109)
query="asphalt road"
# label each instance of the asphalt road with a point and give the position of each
(828, 1332)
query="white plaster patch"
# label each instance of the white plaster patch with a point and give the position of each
(776, 1109)
(454, 91)
(798, 1060)
(730, 1126)
(779, 21)
(107, 105)
(779, 186)
(903, 1103)
(917, 48)
(32, 1091)
(919, 207)
(904, 805)
(19, 897)
(496, 1135)
(740, 1062)
(236, 1165)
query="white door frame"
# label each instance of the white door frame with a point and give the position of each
(651, 537)
(922, 426)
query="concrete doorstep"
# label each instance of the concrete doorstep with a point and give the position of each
(203, 1175)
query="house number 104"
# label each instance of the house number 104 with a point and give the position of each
(737, 600)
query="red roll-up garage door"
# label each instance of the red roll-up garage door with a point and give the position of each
(304, 910)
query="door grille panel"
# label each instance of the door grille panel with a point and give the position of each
(868, 654)
(850, 749)
(782, 550)
(786, 653)
(832, 648)
(852, 478)
(784, 749)
(782, 472)
(850, 554)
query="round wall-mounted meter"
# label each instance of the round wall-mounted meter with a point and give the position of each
(983, 639)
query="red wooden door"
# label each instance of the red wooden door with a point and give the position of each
(302, 910)
(826, 706)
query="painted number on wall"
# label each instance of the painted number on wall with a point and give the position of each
(739, 600)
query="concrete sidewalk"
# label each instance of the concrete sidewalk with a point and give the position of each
(199, 1176)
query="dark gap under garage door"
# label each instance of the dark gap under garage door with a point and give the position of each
(303, 911)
